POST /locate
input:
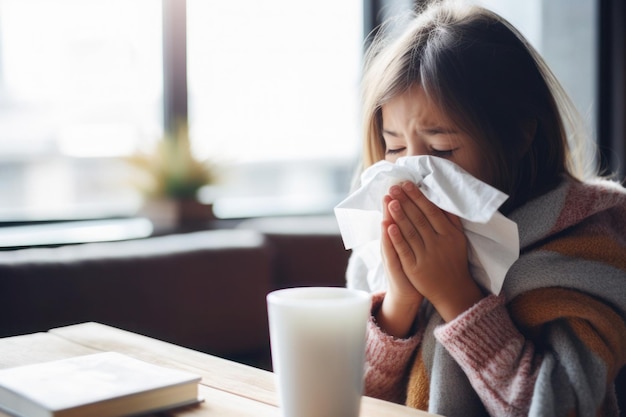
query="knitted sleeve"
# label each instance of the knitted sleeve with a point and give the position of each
(494, 355)
(569, 372)
(387, 360)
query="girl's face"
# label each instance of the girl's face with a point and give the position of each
(412, 125)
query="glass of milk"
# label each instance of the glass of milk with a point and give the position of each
(317, 339)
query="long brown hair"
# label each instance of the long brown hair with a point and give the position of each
(491, 82)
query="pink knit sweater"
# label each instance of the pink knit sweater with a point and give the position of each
(482, 341)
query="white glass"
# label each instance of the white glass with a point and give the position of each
(318, 349)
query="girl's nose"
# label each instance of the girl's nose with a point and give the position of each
(415, 149)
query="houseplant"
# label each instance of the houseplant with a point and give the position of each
(170, 177)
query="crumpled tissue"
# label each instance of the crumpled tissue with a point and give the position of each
(493, 239)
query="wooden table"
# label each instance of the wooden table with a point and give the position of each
(229, 389)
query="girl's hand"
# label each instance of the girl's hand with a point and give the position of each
(430, 248)
(402, 300)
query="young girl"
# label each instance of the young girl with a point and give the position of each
(460, 83)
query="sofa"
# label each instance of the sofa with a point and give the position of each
(204, 290)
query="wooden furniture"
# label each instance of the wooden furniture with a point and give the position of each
(228, 388)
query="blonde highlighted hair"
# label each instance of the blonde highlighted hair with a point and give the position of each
(482, 72)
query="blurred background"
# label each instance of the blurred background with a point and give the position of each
(268, 90)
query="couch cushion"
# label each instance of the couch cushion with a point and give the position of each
(204, 290)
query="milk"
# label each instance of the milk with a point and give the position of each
(318, 349)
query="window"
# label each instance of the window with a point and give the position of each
(80, 84)
(273, 93)
(272, 98)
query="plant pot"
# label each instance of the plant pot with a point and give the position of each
(170, 214)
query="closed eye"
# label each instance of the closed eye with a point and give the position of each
(442, 153)
(394, 151)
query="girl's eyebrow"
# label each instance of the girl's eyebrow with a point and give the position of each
(440, 130)
(389, 132)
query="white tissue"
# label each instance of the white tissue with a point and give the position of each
(493, 239)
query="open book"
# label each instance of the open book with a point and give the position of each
(105, 384)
